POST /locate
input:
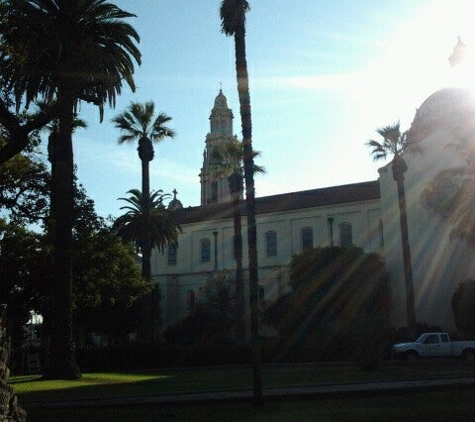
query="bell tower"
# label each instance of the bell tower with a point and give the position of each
(221, 130)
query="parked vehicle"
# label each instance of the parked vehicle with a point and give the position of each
(431, 345)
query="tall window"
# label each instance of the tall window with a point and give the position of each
(346, 234)
(214, 191)
(306, 235)
(172, 253)
(271, 243)
(205, 249)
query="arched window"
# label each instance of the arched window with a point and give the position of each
(172, 255)
(306, 235)
(205, 250)
(271, 243)
(346, 234)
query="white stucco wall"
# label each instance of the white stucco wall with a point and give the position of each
(191, 273)
(440, 262)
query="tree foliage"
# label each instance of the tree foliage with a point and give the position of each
(211, 317)
(22, 265)
(333, 289)
(106, 285)
(24, 189)
(463, 301)
(64, 52)
(164, 228)
(106, 279)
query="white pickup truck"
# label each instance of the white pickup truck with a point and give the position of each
(431, 345)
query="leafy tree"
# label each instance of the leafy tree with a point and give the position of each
(463, 301)
(137, 124)
(18, 130)
(230, 167)
(106, 286)
(66, 51)
(233, 23)
(211, 318)
(333, 291)
(24, 189)
(395, 144)
(163, 231)
(21, 265)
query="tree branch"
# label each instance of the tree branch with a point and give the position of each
(18, 133)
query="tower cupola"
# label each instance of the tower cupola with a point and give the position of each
(215, 190)
(221, 117)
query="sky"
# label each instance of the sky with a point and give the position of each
(324, 75)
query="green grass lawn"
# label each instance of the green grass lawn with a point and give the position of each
(33, 389)
(451, 405)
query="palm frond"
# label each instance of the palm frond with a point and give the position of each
(164, 228)
(136, 123)
(233, 15)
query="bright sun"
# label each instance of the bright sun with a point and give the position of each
(414, 62)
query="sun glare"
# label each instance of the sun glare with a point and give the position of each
(414, 62)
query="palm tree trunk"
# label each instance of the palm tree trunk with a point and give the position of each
(246, 124)
(145, 235)
(147, 308)
(62, 361)
(235, 188)
(399, 167)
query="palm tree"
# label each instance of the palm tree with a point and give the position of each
(67, 51)
(137, 124)
(233, 23)
(396, 144)
(230, 167)
(162, 231)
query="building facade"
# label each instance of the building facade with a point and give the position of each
(361, 214)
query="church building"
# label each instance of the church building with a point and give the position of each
(362, 214)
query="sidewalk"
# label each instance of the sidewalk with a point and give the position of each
(320, 391)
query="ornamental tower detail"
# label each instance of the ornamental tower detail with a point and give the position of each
(221, 131)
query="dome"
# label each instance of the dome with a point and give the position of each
(220, 101)
(450, 109)
(175, 204)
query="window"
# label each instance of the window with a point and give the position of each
(306, 235)
(205, 249)
(172, 254)
(346, 235)
(432, 339)
(214, 191)
(271, 243)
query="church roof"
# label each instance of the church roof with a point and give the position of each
(451, 109)
(334, 195)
